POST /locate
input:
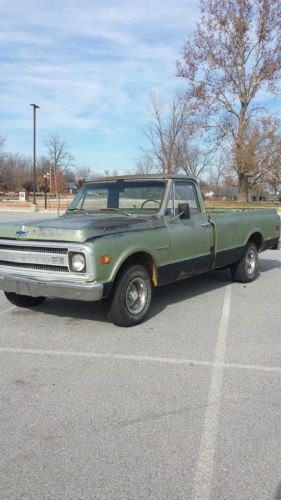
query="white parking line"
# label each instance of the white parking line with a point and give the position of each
(202, 481)
(103, 355)
(239, 366)
(132, 357)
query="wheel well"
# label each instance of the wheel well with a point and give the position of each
(143, 259)
(257, 239)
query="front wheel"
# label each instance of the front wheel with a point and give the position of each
(131, 297)
(246, 270)
(23, 300)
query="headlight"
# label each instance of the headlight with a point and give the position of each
(77, 262)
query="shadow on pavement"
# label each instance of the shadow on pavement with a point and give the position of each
(188, 289)
(162, 297)
(268, 265)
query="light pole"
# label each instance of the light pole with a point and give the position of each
(50, 176)
(46, 177)
(34, 154)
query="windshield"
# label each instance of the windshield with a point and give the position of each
(130, 197)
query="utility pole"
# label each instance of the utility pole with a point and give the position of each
(46, 177)
(50, 176)
(34, 156)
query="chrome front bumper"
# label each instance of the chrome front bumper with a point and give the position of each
(26, 285)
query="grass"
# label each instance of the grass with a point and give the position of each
(225, 204)
(217, 206)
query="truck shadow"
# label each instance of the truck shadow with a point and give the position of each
(187, 289)
(268, 265)
(163, 296)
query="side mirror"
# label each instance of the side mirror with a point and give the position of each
(184, 212)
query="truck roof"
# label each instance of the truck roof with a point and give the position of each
(140, 177)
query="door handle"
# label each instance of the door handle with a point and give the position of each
(207, 224)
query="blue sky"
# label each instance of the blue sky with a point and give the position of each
(90, 66)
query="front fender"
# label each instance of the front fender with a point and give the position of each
(121, 247)
(128, 255)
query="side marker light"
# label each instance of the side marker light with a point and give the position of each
(105, 259)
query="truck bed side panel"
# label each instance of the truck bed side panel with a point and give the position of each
(234, 229)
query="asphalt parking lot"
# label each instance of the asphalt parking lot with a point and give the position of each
(185, 406)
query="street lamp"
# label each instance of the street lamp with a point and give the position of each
(46, 177)
(34, 153)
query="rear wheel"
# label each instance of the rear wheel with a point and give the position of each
(246, 270)
(23, 300)
(131, 297)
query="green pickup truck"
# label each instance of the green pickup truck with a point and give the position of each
(123, 236)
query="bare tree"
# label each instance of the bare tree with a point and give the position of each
(164, 135)
(15, 170)
(144, 165)
(262, 156)
(196, 162)
(215, 176)
(60, 160)
(234, 54)
(84, 173)
(172, 141)
(263, 153)
(195, 159)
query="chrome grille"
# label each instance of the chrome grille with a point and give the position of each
(34, 249)
(43, 260)
(42, 267)
(36, 257)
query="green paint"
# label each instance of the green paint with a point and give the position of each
(159, 233)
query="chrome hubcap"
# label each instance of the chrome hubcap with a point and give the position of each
(136, 295)
(251, 262)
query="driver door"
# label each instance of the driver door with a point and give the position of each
(191, 239)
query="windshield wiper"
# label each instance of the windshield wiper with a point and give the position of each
(115, 210)
(81, 210)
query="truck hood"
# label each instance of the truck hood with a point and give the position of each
(76, 228)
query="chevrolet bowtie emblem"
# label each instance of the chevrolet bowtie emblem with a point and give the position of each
(21, 232)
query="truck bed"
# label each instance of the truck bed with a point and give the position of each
(233, 228)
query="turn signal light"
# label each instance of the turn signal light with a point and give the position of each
(105, 259)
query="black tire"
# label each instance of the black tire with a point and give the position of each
(131, 296)
(23, 300)
(246, 270)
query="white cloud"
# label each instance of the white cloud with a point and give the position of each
(89, 65)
